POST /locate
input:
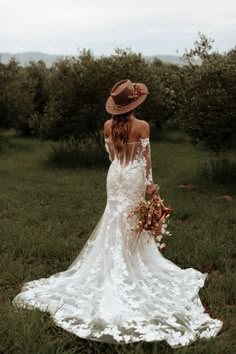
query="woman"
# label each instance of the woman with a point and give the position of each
(118, 290)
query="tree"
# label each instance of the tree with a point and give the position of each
(18, 92)
(76, 108)
(208, 107)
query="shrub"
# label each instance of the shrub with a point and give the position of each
(208, 107)
(218, 170)
(73, 153)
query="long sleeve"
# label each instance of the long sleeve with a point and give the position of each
(146, 152)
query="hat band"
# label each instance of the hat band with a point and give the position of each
(116, 106)
(136, 94)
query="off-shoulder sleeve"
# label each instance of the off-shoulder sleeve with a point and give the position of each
(146, 152)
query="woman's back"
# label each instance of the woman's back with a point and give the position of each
(136, 142)
(138, 129)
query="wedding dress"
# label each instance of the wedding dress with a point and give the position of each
(121, 289)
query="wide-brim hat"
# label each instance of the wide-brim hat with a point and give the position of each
(125, 96)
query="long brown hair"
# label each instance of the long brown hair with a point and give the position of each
(120, 131)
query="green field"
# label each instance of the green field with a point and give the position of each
(47, 214)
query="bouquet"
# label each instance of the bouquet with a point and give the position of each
(152, 216)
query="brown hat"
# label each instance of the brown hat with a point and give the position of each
(126, 96)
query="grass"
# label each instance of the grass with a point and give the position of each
(47, 214)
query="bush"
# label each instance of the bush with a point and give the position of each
(208, 108)
(218, 170)
(72, 153)
(22, 93)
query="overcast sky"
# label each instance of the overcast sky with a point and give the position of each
(147, 26)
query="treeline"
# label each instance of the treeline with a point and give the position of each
(67, 100)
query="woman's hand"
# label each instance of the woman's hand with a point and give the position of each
(151, 190)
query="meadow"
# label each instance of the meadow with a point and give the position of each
(48, 212)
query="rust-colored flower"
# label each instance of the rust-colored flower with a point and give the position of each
(136, 93)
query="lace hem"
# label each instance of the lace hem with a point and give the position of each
(177, 328)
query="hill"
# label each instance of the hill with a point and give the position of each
(25, 57)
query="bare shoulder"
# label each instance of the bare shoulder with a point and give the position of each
(107, 125)
(144, 128)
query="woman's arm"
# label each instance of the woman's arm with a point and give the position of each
(105, 129)
(146, 151)
(106, 136)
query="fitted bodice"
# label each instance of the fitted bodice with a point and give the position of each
(131, 151)
(137, 152)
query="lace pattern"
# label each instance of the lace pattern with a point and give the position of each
(139, 151)
(146, 152)
(118, 290)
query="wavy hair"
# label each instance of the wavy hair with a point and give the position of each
(120, 131)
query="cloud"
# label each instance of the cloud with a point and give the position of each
(65, 25)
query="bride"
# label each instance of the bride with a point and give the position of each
(118, 290)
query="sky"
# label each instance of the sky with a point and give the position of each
(148, 26)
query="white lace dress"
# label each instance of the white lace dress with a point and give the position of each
(117, 290)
